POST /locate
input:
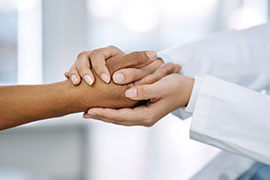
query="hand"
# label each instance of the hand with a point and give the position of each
(148, 63)
(166, 95)
(111, 95)
(97, 59)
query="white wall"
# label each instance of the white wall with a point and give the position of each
(64, 36)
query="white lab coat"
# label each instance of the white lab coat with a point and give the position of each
(230, 110)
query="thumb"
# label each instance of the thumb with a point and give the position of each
(144, 92)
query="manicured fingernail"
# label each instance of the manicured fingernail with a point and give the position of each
(88, 79)
(132, 92)
(105, 78)
(89, 115)
(151, 54)
(118, 77)
(73, 78)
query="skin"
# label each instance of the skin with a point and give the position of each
(165, 90)
(163, 100)
(96, 59)
(24, 104)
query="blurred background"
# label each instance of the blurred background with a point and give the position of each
(39, 40)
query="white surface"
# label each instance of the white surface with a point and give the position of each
(30, 42)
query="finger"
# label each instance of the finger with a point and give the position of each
(84, 68)
(141, 115)
(98, 60)
(177, 68)
(97, 117)
(108, 120)
(145, 92)
(128, 75)
(66, 75)
(136, 59)
(163, 71)
(74, 75)
(140, 58)
(124, 116)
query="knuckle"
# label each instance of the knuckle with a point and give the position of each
(82, 54)
(112, 46)
(72, 72)
(148, 123)
(98, 68)
(83, 69)
(144, 92)
(156, 77)
(166, 69)
(139, 56)
(84, 74)
(94, 52)
(131, 76)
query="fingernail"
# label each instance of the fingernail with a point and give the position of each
(105, 78)
(88, 79)
(131, 92)
(118, 77)
(151, 54)
(73, 78)
(89, 115)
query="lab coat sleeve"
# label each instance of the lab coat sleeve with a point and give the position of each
(233, 118)
(238, 56)
(231, 114)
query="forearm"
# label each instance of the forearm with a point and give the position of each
(23, 104)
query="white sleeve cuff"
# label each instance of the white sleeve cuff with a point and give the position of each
(233, 118)
(194, 96)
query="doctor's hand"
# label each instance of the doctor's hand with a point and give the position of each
(169, 93)
(97, 59)
(142, 66)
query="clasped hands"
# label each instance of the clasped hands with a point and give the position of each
(127, 80)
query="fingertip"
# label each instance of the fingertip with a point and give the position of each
(89, 79)
(75, 79)
(131, 93)
(151, 55)
(86, 115)
(119, 78)
(91, 113)
(105, 77)
(177, 68)
(66, 74)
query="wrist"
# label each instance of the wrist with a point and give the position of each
(188, 90)
(186, 86)
(81, 97)
(73, 99)
(99, 94)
